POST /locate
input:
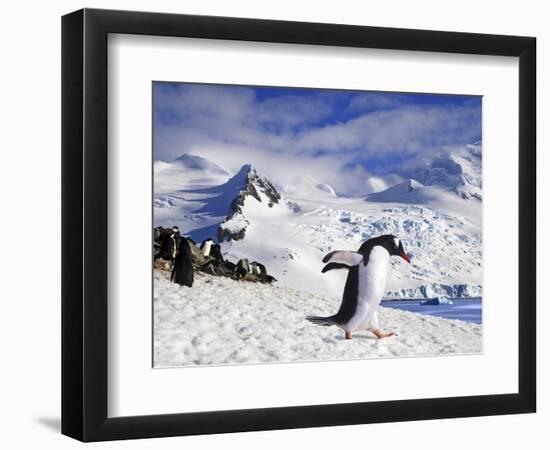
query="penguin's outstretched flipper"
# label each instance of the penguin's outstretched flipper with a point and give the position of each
(332, 266)
(323, 321)
(341, 259)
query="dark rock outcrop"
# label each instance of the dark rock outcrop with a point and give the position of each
(214, 263)
(225, 234)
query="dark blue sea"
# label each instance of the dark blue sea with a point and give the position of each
(468, 310)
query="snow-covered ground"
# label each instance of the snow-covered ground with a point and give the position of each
(223, 321)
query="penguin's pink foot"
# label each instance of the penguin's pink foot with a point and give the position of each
(380, 335)
(348, 334)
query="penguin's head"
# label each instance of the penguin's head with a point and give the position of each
(395, 247)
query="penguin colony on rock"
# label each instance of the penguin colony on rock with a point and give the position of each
(182, 256)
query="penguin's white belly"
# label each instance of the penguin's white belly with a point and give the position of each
(207, 247)
(371, 288)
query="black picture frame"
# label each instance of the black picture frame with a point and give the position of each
(84, 224)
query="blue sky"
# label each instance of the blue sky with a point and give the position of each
(339, 137)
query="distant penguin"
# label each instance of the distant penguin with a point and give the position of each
(216, 252)
(365, 285)
(169, 244)
(206, 246)
(182, 272)
(242, 267)
(255, 269)
(258, 269)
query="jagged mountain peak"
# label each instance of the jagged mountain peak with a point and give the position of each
(244, 172)
(250, 184)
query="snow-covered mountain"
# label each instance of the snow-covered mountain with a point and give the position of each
(410, 191)
(254, 192)
(290, 230)
(194, 162)
(186, 170)
(457, 169)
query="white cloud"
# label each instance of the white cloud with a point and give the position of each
(294, 135)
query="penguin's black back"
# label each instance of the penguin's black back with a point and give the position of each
(349, 298)
(182, 273)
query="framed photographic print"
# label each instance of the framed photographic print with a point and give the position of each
(273, 224)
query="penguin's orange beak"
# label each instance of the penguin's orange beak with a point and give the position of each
(404, 256)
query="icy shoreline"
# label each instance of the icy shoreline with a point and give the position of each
(436, 290)
(223, 321)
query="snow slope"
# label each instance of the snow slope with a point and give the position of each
(223, 321)
(193, 193)
(186, 170)
(410, 191)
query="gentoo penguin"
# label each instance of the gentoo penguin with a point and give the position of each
(182, 272)
(216, 252)
(255, 269)
(365, 285)
(206, 246)
(259, 269)
(169, 244)
(242, 268)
